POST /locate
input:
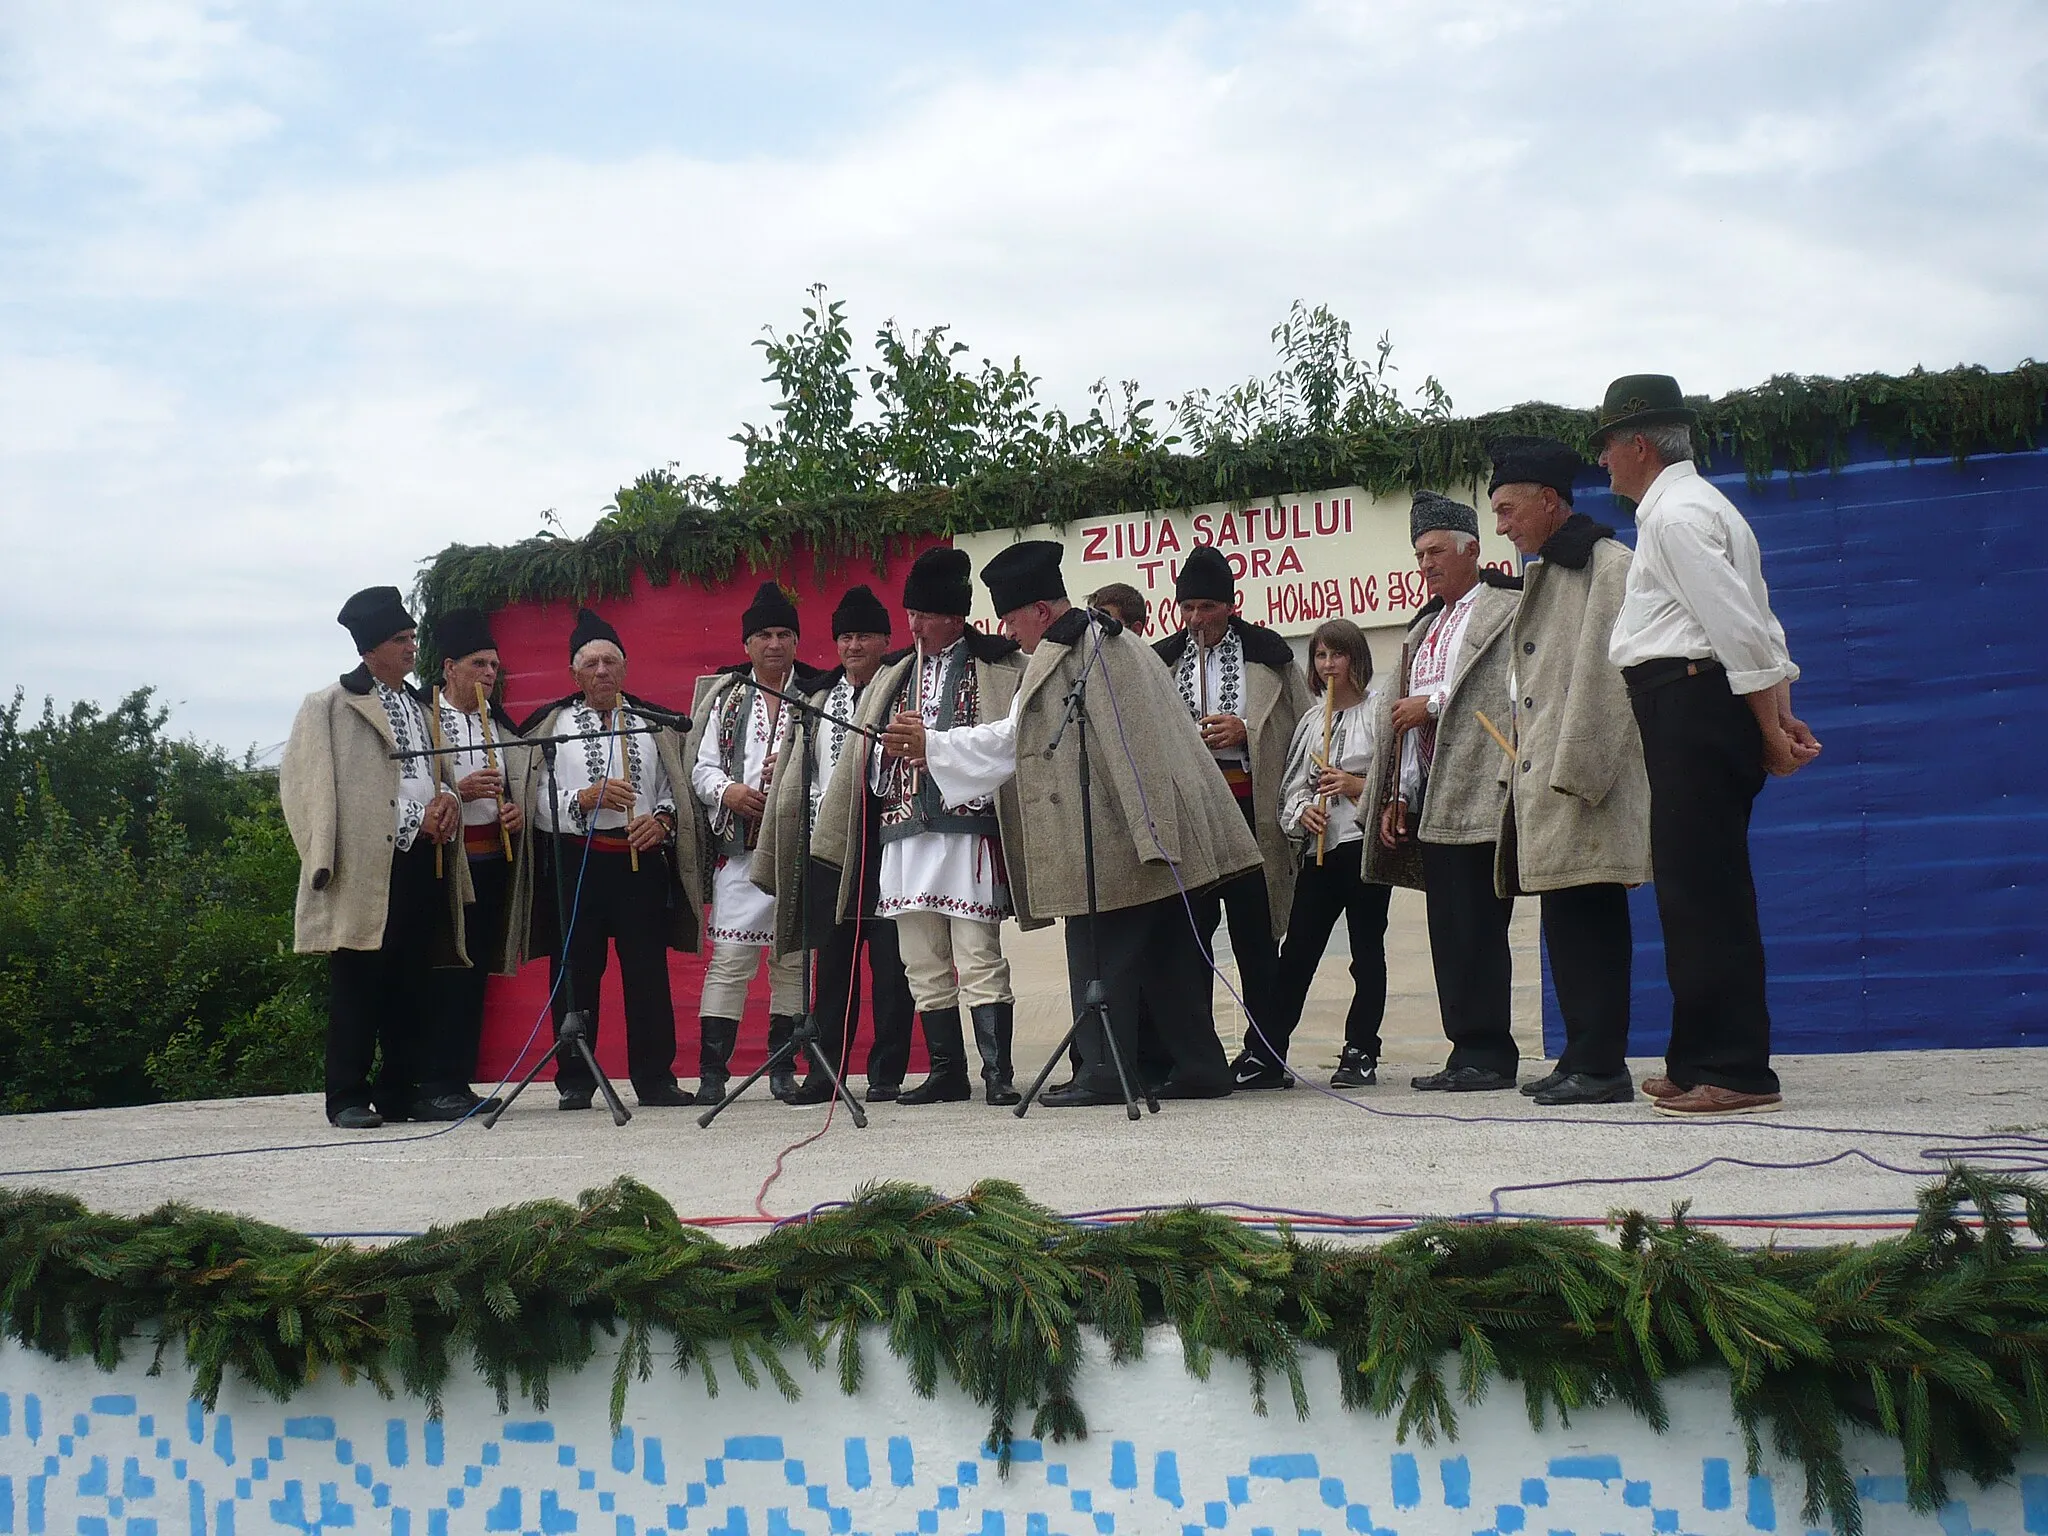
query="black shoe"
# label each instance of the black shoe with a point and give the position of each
(716, 1039)
(782, 1083)
(357, 1117)
(1463, 1080)
(949, 1087)
(711, 1090)
(574, 1098)
(884, 1093)
(1074, 1096)
(1178, 1088)
(484, 1106)
(1586, 1088)
(445, 1106)
(1544, 1083)
(815, 1089)
(1251, 1072)
(1058, 1088)
(1355, 1069)
(663, 1096)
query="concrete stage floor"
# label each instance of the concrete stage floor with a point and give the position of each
(1379, 1152)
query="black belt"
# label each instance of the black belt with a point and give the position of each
(1655, 673)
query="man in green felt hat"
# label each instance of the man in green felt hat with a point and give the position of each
(1710, 683)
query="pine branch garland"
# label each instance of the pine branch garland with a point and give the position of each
(1937, 1339)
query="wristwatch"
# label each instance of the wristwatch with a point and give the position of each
(1432, 705)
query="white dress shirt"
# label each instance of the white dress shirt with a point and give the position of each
(1696, 587)
(464, 729)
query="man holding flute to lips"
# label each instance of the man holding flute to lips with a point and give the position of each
(490, 770)
(1245, 691)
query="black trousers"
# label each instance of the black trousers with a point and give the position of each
(1322, 895)
(377, 998)
(1150, 966)
(1468, 950)
(630, 911)
(1704, 753)
(836, 1001)
(1586, 931)
(1250, 911)
(456, 995)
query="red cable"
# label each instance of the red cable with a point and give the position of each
(845, 1030)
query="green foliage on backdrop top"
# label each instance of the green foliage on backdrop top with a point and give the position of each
(1937, 1340)
(146, 890)
(934, 449)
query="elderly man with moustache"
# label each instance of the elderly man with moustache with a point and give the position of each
(1710, 682)
(735, 751)
(368, 810)
(615, 829)
(860, 633)
(490, 768)
(1164, 823)
(1576, 829)
(1452, 787)
(1245, 693)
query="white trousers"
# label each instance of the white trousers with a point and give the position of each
(731, 972)
(936, 948)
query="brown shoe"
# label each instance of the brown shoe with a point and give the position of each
(1707, 1099)
(1661, 1088)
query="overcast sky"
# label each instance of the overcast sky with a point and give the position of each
(293, 295)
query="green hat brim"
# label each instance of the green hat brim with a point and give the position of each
(1657, 416)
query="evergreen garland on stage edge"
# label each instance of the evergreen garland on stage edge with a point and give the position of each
(662, 527)
(1937, 1339)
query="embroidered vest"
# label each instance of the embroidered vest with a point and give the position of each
(907, 812)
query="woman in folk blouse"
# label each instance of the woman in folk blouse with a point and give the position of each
(1322, 798)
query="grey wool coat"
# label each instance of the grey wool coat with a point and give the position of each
(685, 928)
(777, 863)
(1144, 752)
(1468, 778)
(1578, 809)
(339, 787)
(849, 808)
(1275, 698)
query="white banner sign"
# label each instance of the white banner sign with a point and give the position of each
(1299, 558)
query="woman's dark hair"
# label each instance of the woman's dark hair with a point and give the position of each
(1340, 637)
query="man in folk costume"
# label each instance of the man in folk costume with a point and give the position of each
(1453, 785)
(944, 876)
(373, 895)
(615, 829)
(735, 758)
(860, 632)
(1576, 828)
(1710, 683)
(1164, 821)
(1245, 692)
(490, 773)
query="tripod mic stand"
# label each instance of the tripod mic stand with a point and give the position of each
(1095, 998)
(804, 1041)
(574, 1030)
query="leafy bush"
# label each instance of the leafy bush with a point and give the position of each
(146, 892)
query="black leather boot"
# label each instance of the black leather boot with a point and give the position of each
(714, 1053)
(993, 1023)
(946, 1083)
(782, 1081)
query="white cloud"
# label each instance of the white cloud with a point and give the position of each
(292, 385)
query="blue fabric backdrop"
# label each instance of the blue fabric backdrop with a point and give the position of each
(1903, 878)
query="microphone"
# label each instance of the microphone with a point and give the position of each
(1111, 624)
(664, 717)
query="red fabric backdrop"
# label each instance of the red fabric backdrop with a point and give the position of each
(673, 635)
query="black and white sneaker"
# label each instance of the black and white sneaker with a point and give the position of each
(1355, 1070)
(1248, 1073)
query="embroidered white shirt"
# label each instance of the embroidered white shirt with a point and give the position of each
(417, 784)
(1432, 671)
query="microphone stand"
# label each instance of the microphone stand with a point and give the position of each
(1095, 999)
(574, 1031)
(805, 1037)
